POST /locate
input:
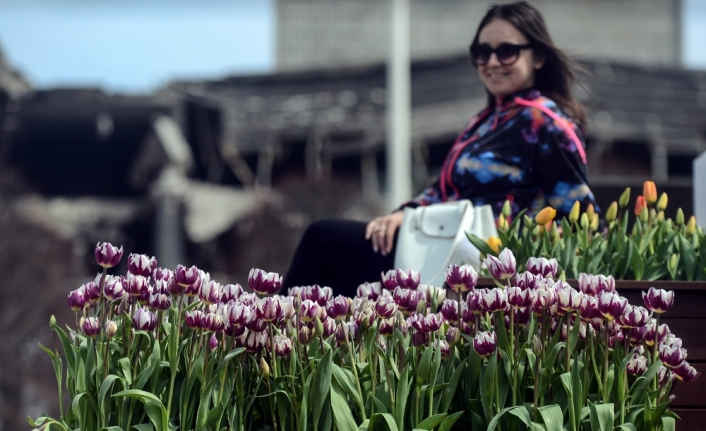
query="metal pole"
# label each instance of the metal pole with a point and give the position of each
(399, 107)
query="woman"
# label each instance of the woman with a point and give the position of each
(526, 146)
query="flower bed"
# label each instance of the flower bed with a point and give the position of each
(160, 349)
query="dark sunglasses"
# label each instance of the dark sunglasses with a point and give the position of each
(507, 53)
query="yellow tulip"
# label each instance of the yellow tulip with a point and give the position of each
(545, 216)
(679, 219)
(594, 222)
(691, 226)
(662, 202)
(612, 212)
(494, 243)
(649, 191)
(575, 210)
(590, 211)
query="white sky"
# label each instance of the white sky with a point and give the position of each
(136, 46)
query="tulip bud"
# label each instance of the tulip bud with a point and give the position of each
(660, 216)
(213, 342)
(584, 221)
(662, 202)
(537, 346)
(554, 232)
(528, 221)
(673, 261)
(640, 204)
(649, 191)
(644, 215)
(453, 335)
(536, 230)
(319, 327)
(502, 223)
(575, 211)
(264, 368)
(679, 218)
(612, 212)
(494, 243)
(421, 307)
(624, 198)
(111, 328)
(507, 209)
(544, 216)
(594, 222)
(691, 226)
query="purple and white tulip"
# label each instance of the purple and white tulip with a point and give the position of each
(231, 292)
(264, 283)
(338, 308)
(76, 299)
(449, 309)
(461, 278)
(114, 287)
(526, 280)
(635, 316)
(502, 267)
(369, 290)
(107, 255)
(542, 266)
(407, 279)
(611, 305)
(429, 323)
(685, 372)
(569, 299)
(672, 356)
(492, 300)
(144, 320)
(518, 297)
(269, 309)
(389, 279)
(485, 343)
(90, 326)
(385, 307)
(141, 264)
(637, 365)
(186, 277)
(658, 300)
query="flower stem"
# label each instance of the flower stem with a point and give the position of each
(606, 395)
(355, 373)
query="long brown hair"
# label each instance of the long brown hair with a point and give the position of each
(556, 77)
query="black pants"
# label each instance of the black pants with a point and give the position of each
(335, 253)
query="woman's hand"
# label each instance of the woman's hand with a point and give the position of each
(382, 231)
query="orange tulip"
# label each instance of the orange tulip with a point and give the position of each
(649, 191)
(640, 204)
(546, 215)
(494, 243)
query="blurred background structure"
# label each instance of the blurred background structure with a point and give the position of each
(212, 134)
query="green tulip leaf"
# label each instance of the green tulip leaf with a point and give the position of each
(602, 416)
(342, 416)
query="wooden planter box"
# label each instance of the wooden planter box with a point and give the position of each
(687, 320)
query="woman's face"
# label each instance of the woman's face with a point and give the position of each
(501, 79)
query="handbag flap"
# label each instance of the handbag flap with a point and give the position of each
(442, 221)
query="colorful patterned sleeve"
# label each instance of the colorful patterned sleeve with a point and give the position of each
(428, 196)
(558, 167)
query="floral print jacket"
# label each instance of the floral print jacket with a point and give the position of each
(525, 149)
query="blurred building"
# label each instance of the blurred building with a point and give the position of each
(322, 34)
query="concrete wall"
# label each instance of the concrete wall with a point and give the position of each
(335, 33)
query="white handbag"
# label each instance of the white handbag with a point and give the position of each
(433, 237)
